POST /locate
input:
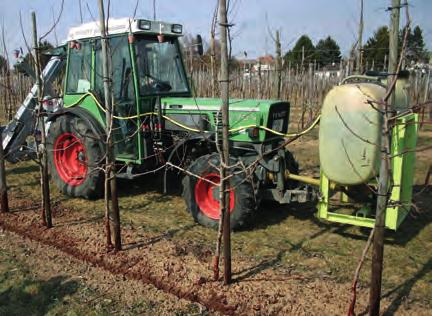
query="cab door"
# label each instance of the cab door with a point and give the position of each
(126, 123)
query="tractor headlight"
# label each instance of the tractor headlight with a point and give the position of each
(177, 28)
(144, 25)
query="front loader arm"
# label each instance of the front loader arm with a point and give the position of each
(14, 134)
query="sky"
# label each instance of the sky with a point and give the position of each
(253, 19)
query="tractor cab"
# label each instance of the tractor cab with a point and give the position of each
(146, 65)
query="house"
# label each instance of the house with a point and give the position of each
(330, 71)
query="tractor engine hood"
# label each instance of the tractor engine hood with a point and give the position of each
(249, 120)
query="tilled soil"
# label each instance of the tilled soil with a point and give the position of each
(181, 272)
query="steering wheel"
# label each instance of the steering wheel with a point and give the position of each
(157, 84)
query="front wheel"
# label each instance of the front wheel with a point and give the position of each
(75, 155)
(201, 193)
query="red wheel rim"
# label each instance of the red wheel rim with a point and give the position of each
(206, 196)
(70, 159)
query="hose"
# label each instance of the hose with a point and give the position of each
(233, 130)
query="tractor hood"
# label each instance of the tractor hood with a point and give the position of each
(247, 113)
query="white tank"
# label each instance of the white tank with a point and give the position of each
(350, 133)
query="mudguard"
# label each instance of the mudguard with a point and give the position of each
(94, 125)
(178, 146)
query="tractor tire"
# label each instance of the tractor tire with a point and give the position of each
(75, 153)
(202, 197)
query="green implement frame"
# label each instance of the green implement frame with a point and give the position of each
(403, 145)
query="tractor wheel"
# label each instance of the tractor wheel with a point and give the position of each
(202, 196)
(74, 154)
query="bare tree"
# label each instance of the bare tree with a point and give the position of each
(40, 117)
(4, 203)
(111, 197)
(224, 171)
(384, 172)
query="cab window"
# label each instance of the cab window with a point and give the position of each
(79, 69)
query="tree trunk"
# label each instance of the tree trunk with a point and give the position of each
(224, 83)
(383, 183)
(42, 153)
(4, 203)
(110, 175)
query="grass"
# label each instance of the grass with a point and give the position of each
(23, 294)
(281, 238)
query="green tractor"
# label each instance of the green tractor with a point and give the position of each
(157, 122)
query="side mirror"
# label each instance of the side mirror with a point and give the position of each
(199, 45)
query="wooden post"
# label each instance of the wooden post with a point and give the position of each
(289, 72)
(302, 60)
(4, 95)
(42, 153)
(224, 84)
(8, 105)
(213, 62)
(259, 80)
(191, 60)
(385, 63)
(359, 62)
(243, 78)
(249, 94)
(278, 65)
(4, 203)
(426, 94)
(383, 187)
(110, 177)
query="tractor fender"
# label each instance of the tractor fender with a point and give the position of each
(178, 147)
(94, 125)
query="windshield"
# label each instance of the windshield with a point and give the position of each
(160, 68)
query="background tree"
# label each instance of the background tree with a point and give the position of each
(206, 57)
(377, 48)
(327, 52)
(302, 53)
(416, 50)
(43, 47)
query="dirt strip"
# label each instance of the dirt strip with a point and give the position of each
(70, 286)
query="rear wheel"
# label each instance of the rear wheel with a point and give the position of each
(202, 194)
(75, 155)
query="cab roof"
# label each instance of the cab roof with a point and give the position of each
(124, 25)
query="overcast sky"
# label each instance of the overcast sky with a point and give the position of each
(252, 19)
